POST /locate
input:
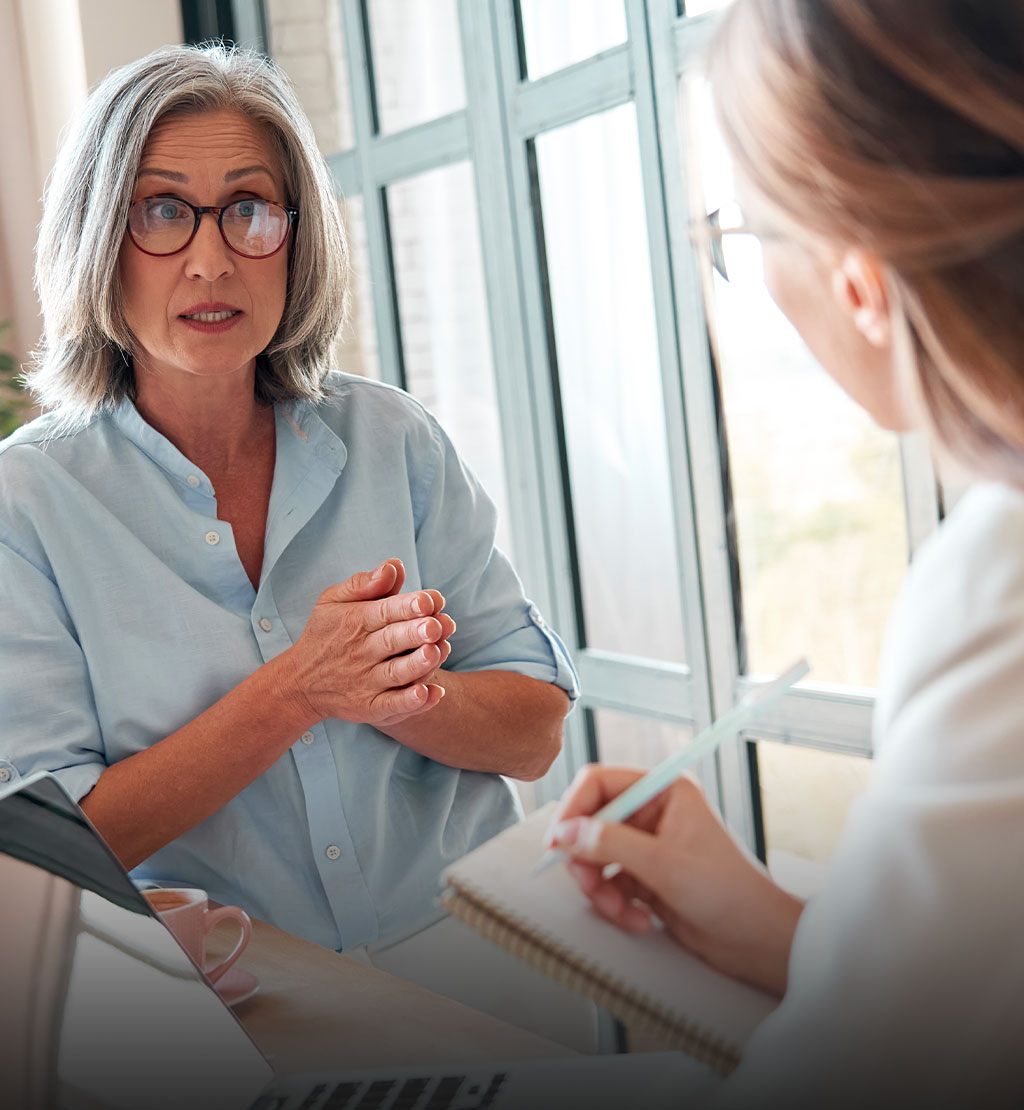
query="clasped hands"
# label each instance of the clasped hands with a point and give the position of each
(369, 653)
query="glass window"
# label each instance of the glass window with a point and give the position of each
(805, 798)
(817, 487)
(417, 61)
(637, 741)
(446, 347)
(356, 351)
(595, 238)
(307, 44)
(699, 7)
(557, 35)
(527, 792)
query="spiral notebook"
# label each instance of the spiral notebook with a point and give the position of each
(651, 984)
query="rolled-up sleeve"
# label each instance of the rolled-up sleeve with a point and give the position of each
(498, 627)
(46, 703)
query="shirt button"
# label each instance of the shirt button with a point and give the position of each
(333, 851)
(5, 774)
(266, 624)
(212, 538)
(307, 738)
(193, 480)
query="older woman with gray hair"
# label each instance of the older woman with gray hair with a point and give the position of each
(230, 579)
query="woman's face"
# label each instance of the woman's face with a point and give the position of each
(207, 159)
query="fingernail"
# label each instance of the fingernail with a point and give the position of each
(565, 833)
(378, 574)
(420, 605)
(424, 628)
(581, 833)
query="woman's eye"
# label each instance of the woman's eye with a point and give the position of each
(246, 208)
(167, 210)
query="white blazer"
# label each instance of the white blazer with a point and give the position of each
(906, 979)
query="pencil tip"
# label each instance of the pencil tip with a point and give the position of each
(550, 857)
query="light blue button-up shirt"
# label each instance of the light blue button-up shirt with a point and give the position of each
(125, 612)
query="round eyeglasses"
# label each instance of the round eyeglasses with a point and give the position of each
(252, 227)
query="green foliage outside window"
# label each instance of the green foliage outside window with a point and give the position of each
(15, 406)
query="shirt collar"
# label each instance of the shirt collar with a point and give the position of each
(299, 429)
(308, 430)
(159, 448)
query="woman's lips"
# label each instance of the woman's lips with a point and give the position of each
(211, 319)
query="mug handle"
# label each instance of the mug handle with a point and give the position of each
(235, 913)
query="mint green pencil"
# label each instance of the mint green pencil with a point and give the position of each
(654, 782)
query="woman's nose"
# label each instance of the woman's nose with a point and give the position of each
(208, 257)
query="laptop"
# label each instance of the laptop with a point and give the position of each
(101, 1008)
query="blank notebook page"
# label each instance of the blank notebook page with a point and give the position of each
(652, 965)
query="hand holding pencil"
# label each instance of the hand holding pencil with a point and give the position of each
(678, 864)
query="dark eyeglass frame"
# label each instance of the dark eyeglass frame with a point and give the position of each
(709, 229)
(200, 210)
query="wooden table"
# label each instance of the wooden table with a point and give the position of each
(318, 1009)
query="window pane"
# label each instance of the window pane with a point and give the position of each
(527, 792)
(805, 798)
(306, 42)
(417, 61)
(602, 304)
(637, 741)
(443, 315)
(557, 35)
(356, 351)
(817, 486)
(699, 7)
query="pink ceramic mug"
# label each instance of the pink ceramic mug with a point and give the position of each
(186, 912)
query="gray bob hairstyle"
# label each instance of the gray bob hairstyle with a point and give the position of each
(84, 362)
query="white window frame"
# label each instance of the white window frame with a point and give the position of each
(494, 133)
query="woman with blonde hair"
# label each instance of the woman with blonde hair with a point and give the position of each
(230, 579)
(879, 147)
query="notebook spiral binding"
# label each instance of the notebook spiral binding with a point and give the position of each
(540, 950)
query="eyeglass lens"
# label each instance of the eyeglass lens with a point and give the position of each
(252, 227)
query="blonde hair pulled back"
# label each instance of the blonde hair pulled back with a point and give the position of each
(897, 127)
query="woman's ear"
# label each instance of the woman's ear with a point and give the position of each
(858, 284)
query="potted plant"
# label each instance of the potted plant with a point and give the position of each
(15, 406)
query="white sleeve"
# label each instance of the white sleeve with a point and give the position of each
(906, 979)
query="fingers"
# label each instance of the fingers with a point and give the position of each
(366, 585)
(401, 670)
(384, 581)
(437, 598)
(384, 585)
(434, 694)
(399, 576)
(593, 787)
(601, 843)
(402, 607)
(614, 898)
(393, 705)
(403, 636)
